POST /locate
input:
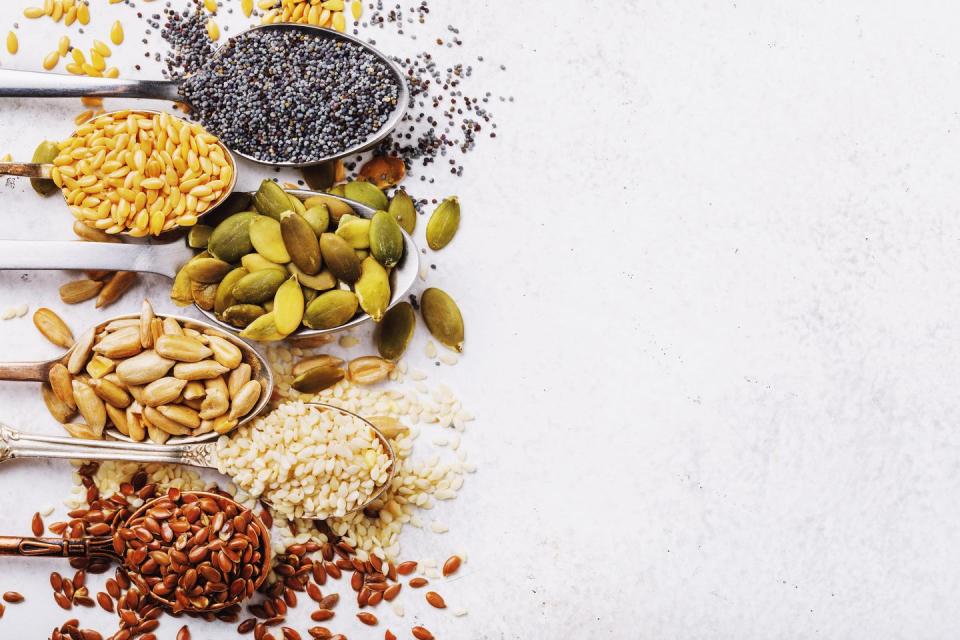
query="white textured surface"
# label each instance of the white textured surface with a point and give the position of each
(709, 270)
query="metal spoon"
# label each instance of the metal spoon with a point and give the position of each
(33, 84)
(102, 547)
(260, 370)
(14, 444)
(166, 260)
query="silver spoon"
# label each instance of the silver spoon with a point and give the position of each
(14, 444)
(167, 258)
(260, 371)
(34, 84)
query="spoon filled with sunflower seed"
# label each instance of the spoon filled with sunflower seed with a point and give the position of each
(193, 552)
(279, 94)
(146, 376)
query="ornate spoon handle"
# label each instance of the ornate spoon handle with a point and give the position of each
(57, 548)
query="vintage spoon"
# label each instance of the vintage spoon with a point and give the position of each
(166, 259)
(39, 170)
(260, 370)
(14, 444)
(32, 84)
(102, 547)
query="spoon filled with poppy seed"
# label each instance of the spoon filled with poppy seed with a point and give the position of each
(285, 94)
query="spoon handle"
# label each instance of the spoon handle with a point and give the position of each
(163, 259)
(55, 547)
(33, 84)
(25, 371)
(25, 169)
(14, 444)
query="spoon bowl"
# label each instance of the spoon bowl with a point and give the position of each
(260, 371)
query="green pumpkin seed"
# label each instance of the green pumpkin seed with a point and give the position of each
(224, 297)
(442, 317)
(241, 315)
(301, 242)
(318, 217)
(256, 262)
(394, 332)
(365, 193)
(309, 294)
(321, 176)
(386, 239)
(373, 289)
(336, 190)
(199, 236)
(362, 254)
(403, 209)
(338, 208)
(230, 240)
(45, 152)
(268, 240)
(317, 379)
(319, 282)
(259, 287)
(207, 270)
(288, 306)
(331, 309)
(263, 329)
(296, 204)
(271, 200)
(443, 223)
(339, 258)
(355, 230)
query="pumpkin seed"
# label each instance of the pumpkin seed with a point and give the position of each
(256, 262)
(318, 379)
(339, 258)
(365, 193)
(386, 239)
(403, 209)
(443, 223)
(231, 239)
(288, 305)
(443, 317)
(318, 218)
(182, 290)
(321, 176)
(320, 282)
(271, 200)
(45, 153)
(267, 239)
(259, 286)
(301, 242)
(241, 315)
(337, 208)
(373, 289)
(199, 236)
(224, 297)
(207, 270)
(324, 359)
(331, 309)
(394, 332)
(355, 230)
(296, 204)
(262, 329)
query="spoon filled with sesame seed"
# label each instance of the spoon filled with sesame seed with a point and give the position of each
(289, 95)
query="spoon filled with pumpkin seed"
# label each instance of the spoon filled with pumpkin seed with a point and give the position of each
(277, 264)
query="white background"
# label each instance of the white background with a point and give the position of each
(710, 275)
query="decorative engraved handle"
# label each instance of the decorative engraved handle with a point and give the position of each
(54, 548)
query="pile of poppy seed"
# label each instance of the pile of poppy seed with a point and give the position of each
(289, 95)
